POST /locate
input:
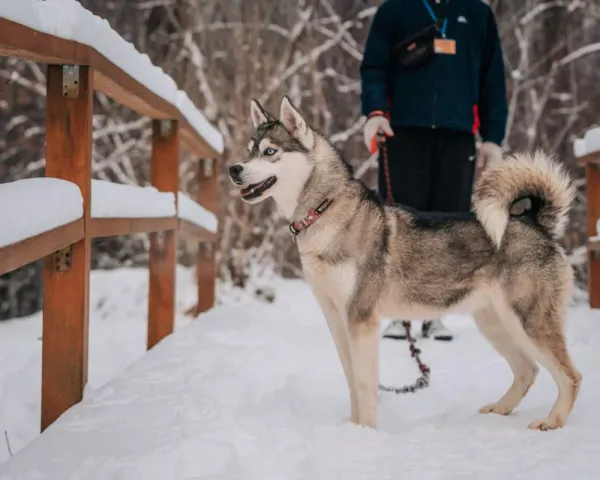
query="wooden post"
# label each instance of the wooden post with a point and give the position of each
(592, 175)
(206, 265)
(66, 274)
(163, 245)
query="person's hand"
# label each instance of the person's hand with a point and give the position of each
(373, 126)
(489, 154)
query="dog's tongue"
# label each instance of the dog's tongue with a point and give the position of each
(250, 188)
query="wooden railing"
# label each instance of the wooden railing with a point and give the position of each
(74, 72)
(591, 163)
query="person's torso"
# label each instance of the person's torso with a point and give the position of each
(443, 92)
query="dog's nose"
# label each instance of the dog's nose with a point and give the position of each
(235, 171)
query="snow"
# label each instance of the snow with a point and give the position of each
(199, 122)
(579, 148)
(590, 143)
(195, 213)
(255, 390)
(116, 200)
(36, 205)
(118, 316)
(67, 19)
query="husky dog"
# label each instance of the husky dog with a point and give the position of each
(365, 259)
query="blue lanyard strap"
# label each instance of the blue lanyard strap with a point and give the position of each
(434, 17)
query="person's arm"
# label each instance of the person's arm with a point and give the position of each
(493, 107)
(374, 67)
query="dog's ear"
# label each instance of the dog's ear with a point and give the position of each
(294, 123)
(258, 114)
(291, 118)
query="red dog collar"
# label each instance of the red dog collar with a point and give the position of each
(310, 218)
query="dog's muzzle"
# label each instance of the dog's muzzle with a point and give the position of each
(235, 172)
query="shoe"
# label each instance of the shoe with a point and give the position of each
(395, 330)
(437, 330)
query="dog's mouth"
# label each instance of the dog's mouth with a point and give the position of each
(257, 189)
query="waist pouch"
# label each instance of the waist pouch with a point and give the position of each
(418, 49)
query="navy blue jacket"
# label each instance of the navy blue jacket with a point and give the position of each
(442, 93)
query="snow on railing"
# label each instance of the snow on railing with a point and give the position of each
(590, 143)
(195, 213)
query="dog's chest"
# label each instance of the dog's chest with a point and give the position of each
(338, 281)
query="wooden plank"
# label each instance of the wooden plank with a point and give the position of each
(111, 227)
(206, 268)
(592, 176)
(195, 232)
(66, 293)
(208, 194)
(206, 274)
(36, 247)
(590, 158)
(19, 41)
(163, 246)
(23, 42)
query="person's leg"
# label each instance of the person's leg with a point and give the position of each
(452, 173)
(408, 167)
(407, 172)
(451, 187)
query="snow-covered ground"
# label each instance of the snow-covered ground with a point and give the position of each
(255, 391)
(118, 314)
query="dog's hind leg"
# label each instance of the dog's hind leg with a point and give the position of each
(337, 327)
(541, 336)
(363, 338)
(550, 345)
(523, 367)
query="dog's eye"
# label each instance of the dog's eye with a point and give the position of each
(270, 151)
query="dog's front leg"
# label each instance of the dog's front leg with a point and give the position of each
(363, 339)
(338, 331)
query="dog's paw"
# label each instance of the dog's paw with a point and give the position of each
(546, 424)
(495, 408)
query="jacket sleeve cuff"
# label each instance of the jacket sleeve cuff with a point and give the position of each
(379, 113)
(495, 136)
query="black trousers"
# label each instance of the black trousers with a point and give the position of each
(430, 169)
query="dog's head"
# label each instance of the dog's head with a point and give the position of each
(279, 156)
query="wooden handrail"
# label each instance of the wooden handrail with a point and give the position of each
(38, 246)
(67, 250)
(19, 41)
(34, 248)
(111, 227)
(195, 232)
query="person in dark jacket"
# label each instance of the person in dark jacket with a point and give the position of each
(430, 113)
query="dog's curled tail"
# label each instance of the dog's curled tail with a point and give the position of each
(537, 177)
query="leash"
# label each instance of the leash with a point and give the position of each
(423, 380)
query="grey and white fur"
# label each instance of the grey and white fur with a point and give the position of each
(365, 259)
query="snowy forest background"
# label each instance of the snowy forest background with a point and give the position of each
(225, 52)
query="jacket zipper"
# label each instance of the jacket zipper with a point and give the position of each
(435, 94)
